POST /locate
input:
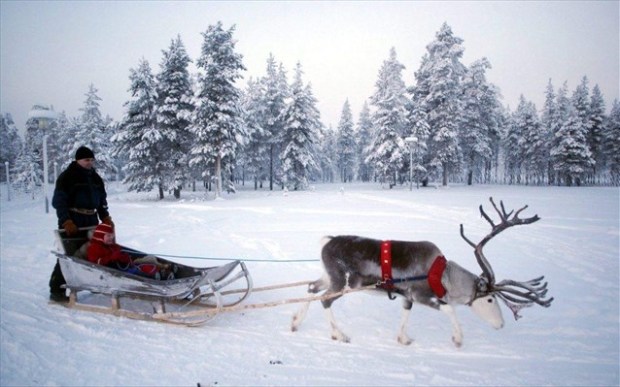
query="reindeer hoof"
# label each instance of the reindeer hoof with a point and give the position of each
(341, 338)
(457, 342)
(404, 340)
(294, 324)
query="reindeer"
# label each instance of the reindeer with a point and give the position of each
(420, 273)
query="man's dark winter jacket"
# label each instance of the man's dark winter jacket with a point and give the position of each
(81, 188)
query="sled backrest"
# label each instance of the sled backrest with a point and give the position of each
(71, 245)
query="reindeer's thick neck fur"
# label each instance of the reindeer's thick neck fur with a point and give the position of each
(460, 284)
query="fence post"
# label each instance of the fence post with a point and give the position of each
(8, 181)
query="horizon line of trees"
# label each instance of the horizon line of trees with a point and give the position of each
(449, 126)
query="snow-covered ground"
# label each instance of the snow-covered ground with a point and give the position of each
(574, 342)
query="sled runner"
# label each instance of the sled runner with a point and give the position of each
(189, 296)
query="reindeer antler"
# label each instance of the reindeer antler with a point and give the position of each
(516, 295)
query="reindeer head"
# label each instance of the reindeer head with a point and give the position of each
(515, 294)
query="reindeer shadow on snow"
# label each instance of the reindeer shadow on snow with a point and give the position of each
(419, 272)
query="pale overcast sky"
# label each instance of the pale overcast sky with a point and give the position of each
(52, 50)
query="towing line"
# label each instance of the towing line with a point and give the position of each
(232, 259)
(239, 307)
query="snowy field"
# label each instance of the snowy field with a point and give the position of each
(574, 342)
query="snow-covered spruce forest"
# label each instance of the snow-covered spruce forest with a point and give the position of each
(181, 128)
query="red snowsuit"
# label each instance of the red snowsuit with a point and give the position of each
(103, 250)
(104, 253)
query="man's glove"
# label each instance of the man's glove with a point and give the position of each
(70, 227)
(108, 220)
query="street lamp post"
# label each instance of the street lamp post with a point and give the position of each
(411, 140)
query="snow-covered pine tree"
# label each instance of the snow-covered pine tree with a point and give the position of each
(275, 91)
(91, 131)
(10, 143)
(63, 135)
(55, 149)
(365, 136)
(438, 88)
(256, 150)
(27, 172)
(119, 160)
(580, 101)
(572, 158)
(138, 138)
(595, 132)
(533, 143)
(420, 130)
(301, 135)
(389, 151)
(563, 105)
(68, 127)
(478, 133)
(512, 141)
(499, 163)
(33, 141)
(174, 108)
(347, 147)
(611, 141)
(562, 111)
(547, 121)
(328, 154)
(217, 125)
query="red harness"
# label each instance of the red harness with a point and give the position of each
(433, 277)
(386, 264)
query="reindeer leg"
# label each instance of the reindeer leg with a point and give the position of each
(299, 317)
(336, 332)
(457, 333)
(402, 337)
(327, 306)
(313, 287)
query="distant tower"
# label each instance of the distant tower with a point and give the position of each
(42, 116)
(39, 124)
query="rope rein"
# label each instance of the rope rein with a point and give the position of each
(234, 308)
(228, 259)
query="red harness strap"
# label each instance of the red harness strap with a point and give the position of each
(434, 273)
(386, 264)
(434, 276)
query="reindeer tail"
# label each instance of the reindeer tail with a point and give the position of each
(325, 240)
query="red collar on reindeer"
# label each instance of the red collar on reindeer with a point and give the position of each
(434, 274)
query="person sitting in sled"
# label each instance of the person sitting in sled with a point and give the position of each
(103, 250)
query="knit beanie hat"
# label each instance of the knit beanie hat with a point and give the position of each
(84, 153)
(101, 231)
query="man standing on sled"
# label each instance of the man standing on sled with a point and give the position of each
(80, 200)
